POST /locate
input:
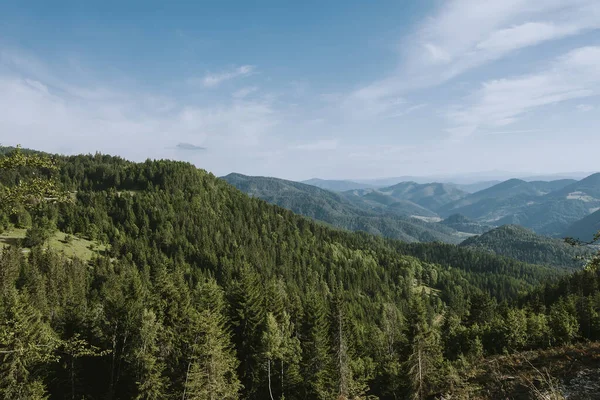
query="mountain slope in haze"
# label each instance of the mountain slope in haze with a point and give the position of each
(585, 228)
(477, 186)
(586, 190)
(431, 195)
(527, 246)
(336, 185)
(502, 199)
(463, 224)
(553, 213)
(339, 211)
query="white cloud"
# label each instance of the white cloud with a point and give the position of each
(47, 112)
(465, 34)
(215, 79)
(501, 102)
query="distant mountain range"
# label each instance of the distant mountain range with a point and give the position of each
(430, 196)
(471, 183)
(445, 212)
(349, 210)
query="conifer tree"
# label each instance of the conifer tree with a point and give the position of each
(150, 381)
(248, 318)
(211, 373)
(26, 344)
(316, 356)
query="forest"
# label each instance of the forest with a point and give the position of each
(193, 290)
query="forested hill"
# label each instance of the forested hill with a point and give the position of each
(525, 245)
(199, 292)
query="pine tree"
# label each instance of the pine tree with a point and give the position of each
(26, 344)
(212, 364)
(248, 318)
(150, 381)
(316, 356)
(425, 360)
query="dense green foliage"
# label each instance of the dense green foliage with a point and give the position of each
(525, 245)
(205, 293)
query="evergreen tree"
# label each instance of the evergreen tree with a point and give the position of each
(150, 382)
(248, 317)
(212, 364)
(316, 357)
(26, 344)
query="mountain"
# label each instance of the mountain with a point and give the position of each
(430, 195)
(552, 214)
(585, 228)
(336, 185)
(503, 199)
(586, 190)
(198, 285)
(463, 224)
(477, 186)
(346, 211)
(527, 246)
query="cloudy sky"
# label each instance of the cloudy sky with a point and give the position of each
(301, 89)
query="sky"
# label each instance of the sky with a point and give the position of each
(337, 89)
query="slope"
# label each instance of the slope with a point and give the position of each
(342, 211)
(554, 213)
(527, 246)
(463, 224)
(585, 228)
(201, 277)
(336, 185)
(431, 195)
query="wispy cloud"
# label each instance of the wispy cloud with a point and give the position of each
(244, 92)
(585, 107)
(466, 34)
(45, 110)
(501, 102)
(215, 79)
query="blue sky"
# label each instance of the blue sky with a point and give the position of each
(336, 89)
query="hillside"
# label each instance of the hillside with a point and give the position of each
(336, 185)
(585, 228)
(344, 211)
(502, 199)
(463, 224)
(527, 246)
(431, 195)
(198, 276)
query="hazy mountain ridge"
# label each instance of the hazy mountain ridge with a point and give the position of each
(336, 185)
(547, 207)
(341, 211)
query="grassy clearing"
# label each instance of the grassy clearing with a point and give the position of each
(75, 248)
